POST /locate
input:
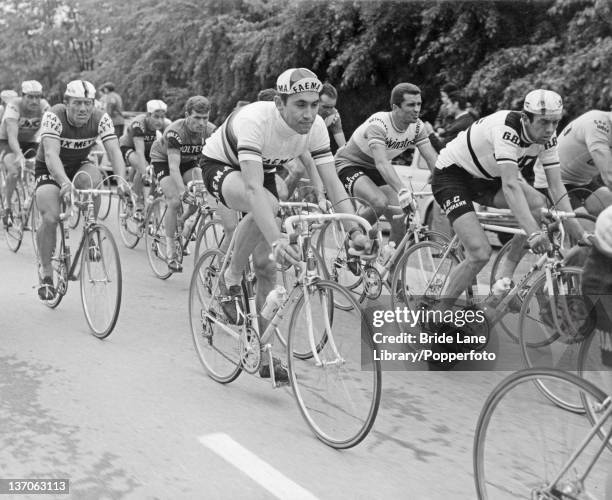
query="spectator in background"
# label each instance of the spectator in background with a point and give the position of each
(444, 117)
(462, 118)
(114, 106)
(328, 97)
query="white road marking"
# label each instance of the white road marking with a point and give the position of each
(259, 471)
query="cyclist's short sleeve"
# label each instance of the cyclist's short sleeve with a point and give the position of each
(106, 129)
(138, 128)
(12, 111)
(597, 135)
(251, 138)
(549, 156)
(51, 125)
(376, 131)
(174, 139)
(318, 143)
(505, 144)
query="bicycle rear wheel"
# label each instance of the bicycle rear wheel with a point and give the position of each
(155, 239)
(522, 442)
(338, 397)
(552, 325)
(14, 233)
(101, 281)
(216, 341)
(129, 229)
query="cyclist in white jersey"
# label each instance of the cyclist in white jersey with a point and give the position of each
(482, 164)
(585, 153)
(238, 168)
(364, 163)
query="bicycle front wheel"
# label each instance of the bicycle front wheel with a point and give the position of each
(155, 239)
(100, 281)
(523, 444)
(338, 390)
(129, 228)
(553, 323)
(14, 233)
(215, 340)
(105, 199)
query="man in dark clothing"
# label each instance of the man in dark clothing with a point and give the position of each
(457, 107)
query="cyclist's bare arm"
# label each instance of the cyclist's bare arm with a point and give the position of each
(313, 175)
(516, 198)
(114, 155)
(429, 154)
(602, 156)
(12, 130)
(384, 166)
(53, 161)
(340, 139)
(139, 147)
(559, 193)
(174, 165)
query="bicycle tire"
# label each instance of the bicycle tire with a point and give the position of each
(545, 344)
(515, 432)
(155, 239)
(129, 229)
(60, 271)
(101, 271)
(14, 234)
(74, 219)
(362, 384)
(105, 199)
(217, 350)
(209, 236)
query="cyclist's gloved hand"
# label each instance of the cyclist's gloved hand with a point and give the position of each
(285, 253)
(539, 242)
(405, 199)
(65, 191)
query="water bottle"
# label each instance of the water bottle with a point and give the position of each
(273, 301)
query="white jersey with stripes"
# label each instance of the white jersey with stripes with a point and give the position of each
(257, 132)
(494, 141)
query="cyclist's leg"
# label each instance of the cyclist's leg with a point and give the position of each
(453, 190)
(193, 174)
(171, 194)
(48, 204)
(138, 171)
(359, 184)
(229, 221)
(536, 201)
(398, 228)
(599, 199)
(90, 178)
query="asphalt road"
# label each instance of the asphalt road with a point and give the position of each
(135, 416)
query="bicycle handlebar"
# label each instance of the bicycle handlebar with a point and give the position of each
(291, 220)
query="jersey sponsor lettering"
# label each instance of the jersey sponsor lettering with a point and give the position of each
(28, 120)
(492, 142)
(379, 129)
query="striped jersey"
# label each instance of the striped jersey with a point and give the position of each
(75, 142)
(379, 129)
(257, 132)
(28, 122)
(493, 141)
(178, 136)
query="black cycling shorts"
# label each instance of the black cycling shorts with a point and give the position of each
(215, 172)
(578, 194)
(456, 190)
(348, 176)
(42, 175)
(161, 169)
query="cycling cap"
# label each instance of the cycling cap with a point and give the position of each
(156, 105)
(8, 94)
(603, 230)
(296, 80)
(543, 102)
(31, 87)
(81, 89)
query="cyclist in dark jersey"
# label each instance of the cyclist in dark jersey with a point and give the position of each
(136, 144)
(175, 161)
(68, 132)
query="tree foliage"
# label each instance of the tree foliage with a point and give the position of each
(230, 49)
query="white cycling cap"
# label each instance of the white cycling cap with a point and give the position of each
(156, 105)
(8, 94)
(81, 89)
(543, 102)
(603, 230)
(296, 80)
(31, 87)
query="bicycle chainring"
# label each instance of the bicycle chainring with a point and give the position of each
(372, 283)
(250, 350)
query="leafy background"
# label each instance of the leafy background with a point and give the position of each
(230, 49)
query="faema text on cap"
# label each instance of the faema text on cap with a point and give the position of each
(156, 105)
(297, 80)
(31, 87)
(81, 89)
(543, 102)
